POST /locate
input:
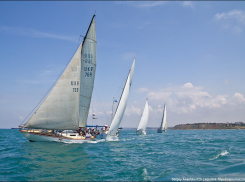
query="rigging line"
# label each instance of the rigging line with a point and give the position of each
(100, 101)
(85, 28)
(50, 87)
(120, 87)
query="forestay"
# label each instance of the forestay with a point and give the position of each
(144, 118)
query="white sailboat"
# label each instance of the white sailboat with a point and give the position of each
(112, 133)
(163, 127)
(67, 105)
(144, 120)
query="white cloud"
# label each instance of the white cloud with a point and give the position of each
(234, 20)
(188, 4)
(219, 101)
(188, 103)
(188, 85)
(132, 110)
(238, 98)
(35, 33)
(238, 15)
(159, 95)
(187, 98)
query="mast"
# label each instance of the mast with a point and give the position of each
(84, 38)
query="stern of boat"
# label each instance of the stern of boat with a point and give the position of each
(140, 132)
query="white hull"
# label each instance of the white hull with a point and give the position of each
(41, 137)
(161, 131)
(140, 132)
(103, 135)
(108, 137)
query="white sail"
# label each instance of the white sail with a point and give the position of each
(144, 118)
(122, 105)
(66, 107)
(163, 123)
(60, 109)
(88, 67)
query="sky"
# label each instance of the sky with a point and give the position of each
(189, 55)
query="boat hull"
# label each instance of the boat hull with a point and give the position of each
(140, 132)
(105, 136)
(161, 131)
(44, 137)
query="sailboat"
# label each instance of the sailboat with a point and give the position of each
(143, 121)
(66, 107)
(112, 133)
(163, 127)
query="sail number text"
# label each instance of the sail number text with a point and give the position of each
(88, 58)
(88, 71)
(75, 83)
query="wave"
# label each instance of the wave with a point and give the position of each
(223, 153)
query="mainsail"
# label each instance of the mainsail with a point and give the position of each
(68, 102)
(122, 104)
(144, 118)
(88, 66)
(163, 123)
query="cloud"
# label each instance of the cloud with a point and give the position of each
(132, 110)
(188, 85)
(234, 20)
(188, 98)
(35, 33)
(238, 98)
(188, 4)
(159, 95)
(238, 15)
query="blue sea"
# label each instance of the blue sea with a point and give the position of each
(177, 155)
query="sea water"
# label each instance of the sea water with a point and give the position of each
(190, 155)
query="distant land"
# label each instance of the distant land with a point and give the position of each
(210, 126)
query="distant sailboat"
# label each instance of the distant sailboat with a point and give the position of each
(67, 105)
(143, 121)
(112, 133)
(163, 127)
